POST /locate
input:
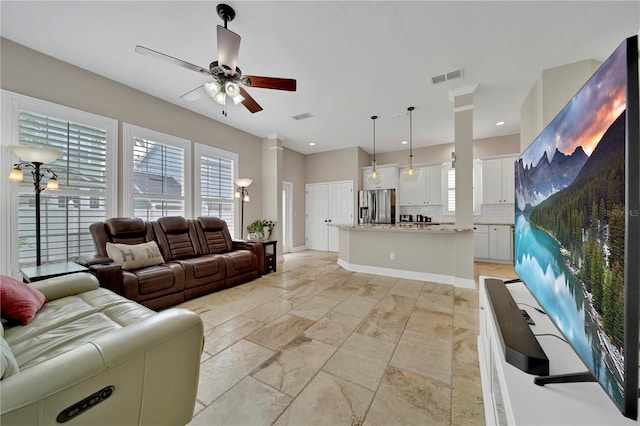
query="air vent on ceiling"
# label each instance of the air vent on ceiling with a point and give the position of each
(451, 75)
(302, 116)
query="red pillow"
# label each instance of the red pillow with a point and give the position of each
(18, 301)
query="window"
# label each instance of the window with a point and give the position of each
(156, 177)
(86, 179)
(450, 187)
(215, 173)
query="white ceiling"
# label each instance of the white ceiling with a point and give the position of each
(351, 59)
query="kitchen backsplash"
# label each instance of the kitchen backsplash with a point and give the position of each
(490, 213)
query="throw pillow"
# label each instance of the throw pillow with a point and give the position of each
(18, 301)
(8, 363)
(134, 256)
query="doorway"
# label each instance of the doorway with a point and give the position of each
(287, 216)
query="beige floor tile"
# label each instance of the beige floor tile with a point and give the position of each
(433, 323)
(408, 288)
(373, 292)
(290, 369)
(467, 407)
(314, 308)
(435, 302)
(225, 312)
(387, 320)
(361, 360)
(247, 403)
(226, 334)
(328, 400)
(270, 310)
(425, 355)
(280, 331)
(408, 399)
(357, 306)
(333, 328)
(339, 291)
(221, 372)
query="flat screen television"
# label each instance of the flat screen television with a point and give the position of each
(577, 224)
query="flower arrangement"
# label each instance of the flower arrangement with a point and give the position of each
(257, 227)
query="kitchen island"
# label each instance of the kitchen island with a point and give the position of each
(424, 252)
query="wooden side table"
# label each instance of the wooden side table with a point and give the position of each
(269, 256)
(36, 273)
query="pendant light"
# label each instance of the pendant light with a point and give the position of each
(411, 174)
(374, 176)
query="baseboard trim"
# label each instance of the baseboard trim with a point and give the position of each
(299, 248)
(410, 275)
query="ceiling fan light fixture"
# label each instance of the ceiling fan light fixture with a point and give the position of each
(212, 88)
(238, 99)
(231, 89)
(220, 97)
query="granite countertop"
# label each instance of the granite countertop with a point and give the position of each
(426, 227)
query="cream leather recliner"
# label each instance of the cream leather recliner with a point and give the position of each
(92, 357)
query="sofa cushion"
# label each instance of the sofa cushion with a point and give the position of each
(120, 227)
(8, 363)
(214, 235)
(135, 256)
(18, 301)
(65, 324)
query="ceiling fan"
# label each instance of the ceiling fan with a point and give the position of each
(226, 75)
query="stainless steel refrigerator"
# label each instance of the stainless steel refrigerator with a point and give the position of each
(377, 206)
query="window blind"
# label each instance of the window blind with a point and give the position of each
(82, 197)
(158, 179)
(217, 188)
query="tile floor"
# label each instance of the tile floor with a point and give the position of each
(314, 344)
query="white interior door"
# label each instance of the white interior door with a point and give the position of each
(340, 203)
(327, 204)
(317, 216)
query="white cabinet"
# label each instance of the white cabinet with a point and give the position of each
(425, 191)
(493, 243)
(498, 180)
(389, 178)
(481, 241)
(501, 242)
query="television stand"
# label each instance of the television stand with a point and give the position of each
(510, 395)
(565, 378)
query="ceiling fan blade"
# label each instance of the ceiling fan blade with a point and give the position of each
(152, 53)
(270, 82)
(194, 94)
(228, 48)
(249, 102)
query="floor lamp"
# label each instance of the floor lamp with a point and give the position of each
(33, 157)
(243, 194)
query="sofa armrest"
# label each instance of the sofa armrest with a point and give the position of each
(255, 247)
(133, 359)
(109, 276)
(92, 260)
(66, 285)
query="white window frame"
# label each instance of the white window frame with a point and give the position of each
(129, 132)
(12, 104)
(198, 151)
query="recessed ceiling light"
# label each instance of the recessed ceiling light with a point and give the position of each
(501, 123)
(404, 142)
(312, 144)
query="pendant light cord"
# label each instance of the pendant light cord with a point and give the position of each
(410, 109)
(373, 117)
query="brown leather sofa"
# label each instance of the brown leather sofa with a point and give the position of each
(199, 255)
